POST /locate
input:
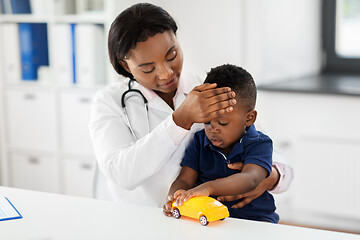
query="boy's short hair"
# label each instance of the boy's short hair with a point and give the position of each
(238, 79)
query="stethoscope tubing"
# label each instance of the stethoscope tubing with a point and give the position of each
(123, 104)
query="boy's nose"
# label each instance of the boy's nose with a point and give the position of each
(213, 128)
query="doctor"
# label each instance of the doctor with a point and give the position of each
(140, 128)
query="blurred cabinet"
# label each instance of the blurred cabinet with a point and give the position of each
(76, 147)
(327, 177)
(45, 121)
(75, 115)
(78, 176)
(44, 137)
(31, 119)
(34, 172)
(318, 134)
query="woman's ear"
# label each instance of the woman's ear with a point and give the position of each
(124, 65)
(251, 117)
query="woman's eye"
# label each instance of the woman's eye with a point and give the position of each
(148, 71)
(172, 56)
(223, 124)
(206, 123)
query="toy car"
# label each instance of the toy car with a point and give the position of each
(206, 209)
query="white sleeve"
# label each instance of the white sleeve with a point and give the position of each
(285, 171)
(123, 160)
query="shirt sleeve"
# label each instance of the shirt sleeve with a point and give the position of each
(124, 160)
(285, 171)
(192, 154)
(260, 153)
(176, 133)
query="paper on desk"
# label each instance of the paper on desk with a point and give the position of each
(7, 210)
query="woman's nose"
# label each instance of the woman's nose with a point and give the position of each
(165, 72)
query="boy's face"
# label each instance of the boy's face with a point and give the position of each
(225, 131)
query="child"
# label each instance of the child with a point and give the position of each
(227, 139)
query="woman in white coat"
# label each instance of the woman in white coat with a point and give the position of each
(140, 137)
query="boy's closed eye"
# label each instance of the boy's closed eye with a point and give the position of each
(220, 123)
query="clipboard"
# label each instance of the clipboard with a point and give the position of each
(8, 210)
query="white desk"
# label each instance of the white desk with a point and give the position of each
(49, 216)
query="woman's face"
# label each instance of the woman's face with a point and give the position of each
(156, 63)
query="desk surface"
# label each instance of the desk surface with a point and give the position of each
(49, 216)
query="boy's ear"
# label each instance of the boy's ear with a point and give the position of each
(124, 65)
(251, 117)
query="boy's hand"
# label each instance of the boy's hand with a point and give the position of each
(182, 196)
(167, 208)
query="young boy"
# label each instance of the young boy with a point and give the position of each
(227, 139)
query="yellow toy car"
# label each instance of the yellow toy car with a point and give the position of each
(206, 209)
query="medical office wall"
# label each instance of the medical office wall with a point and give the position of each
(44, 112)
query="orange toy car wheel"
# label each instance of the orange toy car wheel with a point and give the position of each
(176, 213)
(203, 220)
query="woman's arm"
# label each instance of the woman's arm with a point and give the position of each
(124, 160)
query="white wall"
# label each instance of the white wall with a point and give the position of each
(274, 40)
(210, 32)
(282, 39)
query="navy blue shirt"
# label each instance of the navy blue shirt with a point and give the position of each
(211, 163)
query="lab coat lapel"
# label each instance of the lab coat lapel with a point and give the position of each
(160, 105)
(154, 101)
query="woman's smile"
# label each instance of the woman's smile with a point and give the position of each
(169, 84)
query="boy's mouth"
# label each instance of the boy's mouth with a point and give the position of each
(216, 142)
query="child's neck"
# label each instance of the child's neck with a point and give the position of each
(228, 149)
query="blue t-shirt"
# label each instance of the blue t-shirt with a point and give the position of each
(211, 163)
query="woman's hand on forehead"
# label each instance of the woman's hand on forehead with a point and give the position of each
(204, 103)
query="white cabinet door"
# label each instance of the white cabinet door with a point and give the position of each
(327, 177)
(75, 117)
(321, 132)
(78, 177)
(31, 120)
(34, 172)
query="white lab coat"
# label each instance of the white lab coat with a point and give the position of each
(140, 171)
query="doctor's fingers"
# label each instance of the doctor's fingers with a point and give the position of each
(236, 166)
(218, 93)
(219, 109)
(204, 87)
(242, 203)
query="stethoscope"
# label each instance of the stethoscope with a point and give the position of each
(96, 173)
(123, 104)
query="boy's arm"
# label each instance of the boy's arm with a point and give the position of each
(186, 180)
(238, 183)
